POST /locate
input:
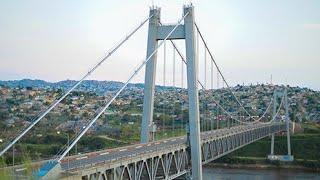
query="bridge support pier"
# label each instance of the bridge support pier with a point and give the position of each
(287, 157)
(287, 123)
(274, 112)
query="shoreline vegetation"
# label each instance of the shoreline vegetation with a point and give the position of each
(262, 166)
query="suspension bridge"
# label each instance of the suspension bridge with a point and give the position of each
(179, 157)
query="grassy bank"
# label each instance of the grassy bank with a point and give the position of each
(305, 148)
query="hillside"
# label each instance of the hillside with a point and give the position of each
(304, 102)
(98, 87)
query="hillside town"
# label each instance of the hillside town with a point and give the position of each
(19, 106)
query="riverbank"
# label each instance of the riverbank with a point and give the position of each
(226, 173)
(261, 166)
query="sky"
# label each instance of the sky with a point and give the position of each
(251, 40)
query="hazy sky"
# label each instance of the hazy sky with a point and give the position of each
(251, 39)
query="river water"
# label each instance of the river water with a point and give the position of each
(210, 173)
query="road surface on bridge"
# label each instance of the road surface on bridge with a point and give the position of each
(72, 163)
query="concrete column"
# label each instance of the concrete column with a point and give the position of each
(192, 77)
(287, 122)
(273, 114)
(150, 75)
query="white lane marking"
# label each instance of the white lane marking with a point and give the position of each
(182, 138)
(122, 150)
(84, 157)
(21, 169)
(173, 139)
(104, 153)
(138, 147)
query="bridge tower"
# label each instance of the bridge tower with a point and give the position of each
(185, 31)
(147, 127)
(272, 156)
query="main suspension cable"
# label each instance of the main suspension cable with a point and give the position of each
(118, 92)
(278, 111)
(218, 69)
(223, 78)
(202, 86)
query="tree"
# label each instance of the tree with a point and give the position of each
(4, 173)
(27, 163)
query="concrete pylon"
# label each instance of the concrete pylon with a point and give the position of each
(287, 122)
(273, 116)
(187, 32)
(147, 129)
(193, 94)
(272, 155)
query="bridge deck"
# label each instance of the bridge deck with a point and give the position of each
(226, 140)
(110, 155)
